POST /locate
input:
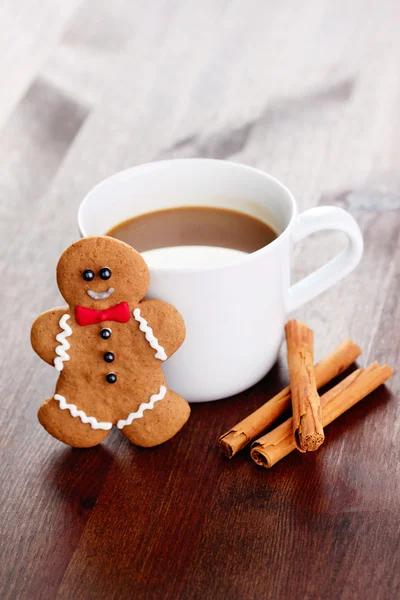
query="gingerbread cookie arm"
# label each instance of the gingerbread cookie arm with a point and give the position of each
(49, 336)
(163, 326)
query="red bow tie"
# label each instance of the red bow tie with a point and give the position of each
(90, 316)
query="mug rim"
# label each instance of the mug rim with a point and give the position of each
(155, 164)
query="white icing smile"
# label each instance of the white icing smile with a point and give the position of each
(100, 295)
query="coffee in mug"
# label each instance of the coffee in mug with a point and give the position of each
(188, 236)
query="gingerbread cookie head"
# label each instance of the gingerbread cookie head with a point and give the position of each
(100, 272)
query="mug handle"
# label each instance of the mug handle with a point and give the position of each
(324, 218)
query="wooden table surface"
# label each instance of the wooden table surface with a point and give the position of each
(308, 91)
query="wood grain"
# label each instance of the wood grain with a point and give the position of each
(310, 93)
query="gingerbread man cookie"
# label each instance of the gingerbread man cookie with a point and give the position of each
(108, 346)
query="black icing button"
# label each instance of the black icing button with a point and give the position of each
(105, 333)
(108, 356)
(111, 377)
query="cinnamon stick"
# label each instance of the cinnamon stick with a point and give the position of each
(308, 431)
(277, 444)
(252, 426)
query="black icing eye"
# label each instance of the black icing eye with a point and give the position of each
(105, 273)
(88, 275)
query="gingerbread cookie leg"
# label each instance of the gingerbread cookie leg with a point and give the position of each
(64, 421)
(157, 420)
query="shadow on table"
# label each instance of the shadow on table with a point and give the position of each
(337, 477)
(77, 476)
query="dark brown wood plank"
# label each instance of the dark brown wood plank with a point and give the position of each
(182, 521)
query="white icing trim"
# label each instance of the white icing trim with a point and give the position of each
(92, 421)
(100, 295)
(145, 406)
(61, 350)
(149, 335)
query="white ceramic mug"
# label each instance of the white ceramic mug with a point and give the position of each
(235, 313)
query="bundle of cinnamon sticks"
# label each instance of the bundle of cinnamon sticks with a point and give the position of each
(310, 412)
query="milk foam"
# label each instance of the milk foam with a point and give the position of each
(191, 256)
